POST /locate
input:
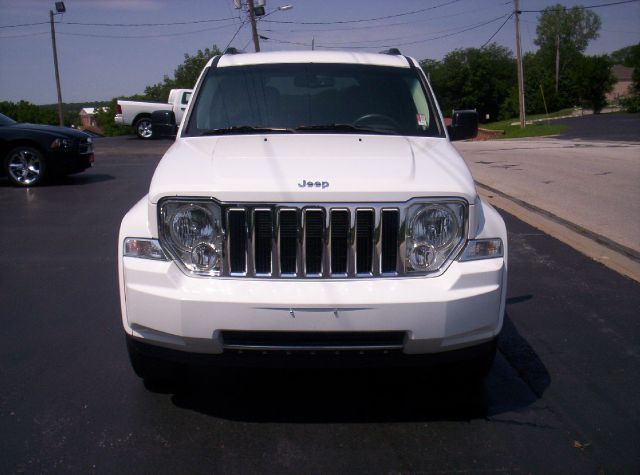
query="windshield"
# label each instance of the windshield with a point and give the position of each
(4, 120)
(313, 98)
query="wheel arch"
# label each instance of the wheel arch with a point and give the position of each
(141, 115)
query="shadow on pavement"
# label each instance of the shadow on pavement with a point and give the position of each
(84, 179)
(380, 395)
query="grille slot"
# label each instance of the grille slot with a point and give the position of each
(313, 229)
(263, 229)
(339, 240)
(288, 241)
(390, 227)
(364, 240)
(237, 232)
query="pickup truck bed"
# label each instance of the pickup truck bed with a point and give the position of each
(138, 113)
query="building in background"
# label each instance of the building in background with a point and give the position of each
(88, 120)
(622, 87)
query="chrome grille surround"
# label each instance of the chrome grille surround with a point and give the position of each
(403, 212)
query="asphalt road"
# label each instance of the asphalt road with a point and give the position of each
(562, 396)
(616, 127)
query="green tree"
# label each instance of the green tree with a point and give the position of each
(184, 76)
(592, 79)
(104, 118)
(24, 111)
(562, 35)
(628, 56)
(473, 78)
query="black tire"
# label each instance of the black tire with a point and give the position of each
(143, 129)
(153, 370)
(25, 166)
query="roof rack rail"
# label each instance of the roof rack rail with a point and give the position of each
(392, 51)
(233, 50)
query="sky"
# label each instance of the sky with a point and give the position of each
(103, 55)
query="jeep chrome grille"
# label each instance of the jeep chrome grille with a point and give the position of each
(312, 241)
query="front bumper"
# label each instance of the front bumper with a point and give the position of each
(338, 359)
(68, 162)
(461, 308)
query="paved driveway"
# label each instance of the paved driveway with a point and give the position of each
(603, 127)
(595, 185)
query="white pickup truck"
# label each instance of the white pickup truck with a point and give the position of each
(312, 211)
(138, 113)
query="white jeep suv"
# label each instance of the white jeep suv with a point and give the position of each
(312, 210)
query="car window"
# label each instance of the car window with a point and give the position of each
(289, 96)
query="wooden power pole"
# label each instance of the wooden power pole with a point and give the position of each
(519, 62)
(55, 64)
(254, 29)
(557, 61)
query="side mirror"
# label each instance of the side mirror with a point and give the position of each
(163, 124)
(464, 125)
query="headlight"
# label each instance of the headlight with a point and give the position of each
(61, 143)
(191, 232)
(434, 232)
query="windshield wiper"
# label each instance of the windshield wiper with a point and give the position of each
(343, 128)
(246, 129)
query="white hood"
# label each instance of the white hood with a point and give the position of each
(270, 168)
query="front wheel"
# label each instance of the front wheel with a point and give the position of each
(143, 128)
(25, 166)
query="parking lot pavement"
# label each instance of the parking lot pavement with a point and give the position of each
(591, 184)
(562, 396)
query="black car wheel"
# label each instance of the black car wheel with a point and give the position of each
(25, 166)
(143, 128)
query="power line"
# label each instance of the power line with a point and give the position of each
(497, 31)
(364, 19)
(588, 7)
(24, 24)
(161, 35)
(234, 35)
(368, 27)
(455, 29)
(424, 40)
(25, 35)
(191, 22)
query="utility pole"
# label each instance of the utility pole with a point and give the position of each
(55, 64)
(313, 43)
(254, 29)
(557, 61)
(519, 62)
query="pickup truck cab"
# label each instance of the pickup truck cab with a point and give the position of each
(138, 113)
(312, 210)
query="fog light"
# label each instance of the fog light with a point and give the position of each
(422, 256)
(482, 249)
(204, 256)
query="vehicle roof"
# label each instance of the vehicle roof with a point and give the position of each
(279, 57)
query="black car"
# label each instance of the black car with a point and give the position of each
(31, 153)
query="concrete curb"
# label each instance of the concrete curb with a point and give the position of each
(616, 256)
